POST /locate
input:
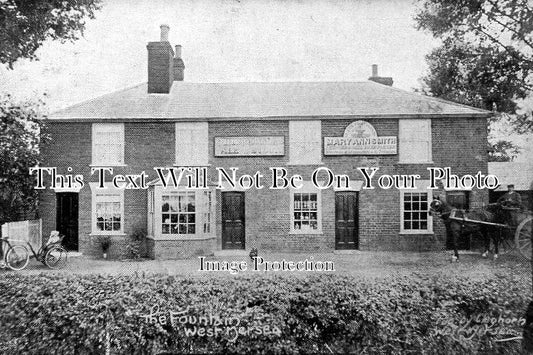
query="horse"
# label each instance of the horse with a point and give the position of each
(457, 228)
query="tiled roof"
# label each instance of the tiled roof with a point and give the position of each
(516, 173)
(273, 99)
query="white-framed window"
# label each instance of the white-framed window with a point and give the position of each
(305, 142)
(192, 143)
(107, 210)
(415, 217)
(182, 213)
(415, 141)
(306, 210)
(108, 144)
(178, 210)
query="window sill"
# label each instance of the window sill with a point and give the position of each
(195, 165)
(182, 237)
(106, 165)
(97, 234)
(415, 162)
(291, 163)
(427, 232)
(293, 232)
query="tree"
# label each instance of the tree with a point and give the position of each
(26, 24)
(507, 24)
(502, 151)
(486, 77)
(486, 56)
(487, 51)
(20, 137)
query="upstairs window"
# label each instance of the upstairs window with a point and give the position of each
(192, 144)
(305, 142)
(415, 141)
(108, 144)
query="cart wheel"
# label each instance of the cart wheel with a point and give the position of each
(17, 257)
(523, 237)
(56, 257)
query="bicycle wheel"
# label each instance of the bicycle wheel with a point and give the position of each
(56, 257)
(17, 257)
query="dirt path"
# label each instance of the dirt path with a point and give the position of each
(359, 265)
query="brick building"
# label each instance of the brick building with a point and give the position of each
(299, 126)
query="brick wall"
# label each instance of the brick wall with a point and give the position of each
(457, 142)
(180, 249)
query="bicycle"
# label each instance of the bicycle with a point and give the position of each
(52, 254)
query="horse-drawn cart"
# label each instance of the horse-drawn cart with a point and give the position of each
(514, 235)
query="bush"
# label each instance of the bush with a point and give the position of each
(105, 242)
(135, 243)
(89, 314)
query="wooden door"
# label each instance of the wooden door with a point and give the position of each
(67, 218)
(346, 220)
(233, 223)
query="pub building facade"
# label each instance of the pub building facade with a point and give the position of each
(298, 126)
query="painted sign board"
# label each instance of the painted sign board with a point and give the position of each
(360, 138)
(249, 146)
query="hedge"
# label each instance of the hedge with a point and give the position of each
(53, 313)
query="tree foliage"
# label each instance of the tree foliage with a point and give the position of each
(486, 56)
(507, 24)
(502, 151)
(21, 125)
(26, 24)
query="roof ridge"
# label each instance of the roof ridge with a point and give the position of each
(432, 98)
(277, 82)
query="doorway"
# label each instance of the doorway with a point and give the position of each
(346, 220)
(67, 219)
(233, 236)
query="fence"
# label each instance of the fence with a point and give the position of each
(28, 231)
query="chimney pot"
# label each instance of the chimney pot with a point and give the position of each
(164, 33)
(179, 66)
(374, 70)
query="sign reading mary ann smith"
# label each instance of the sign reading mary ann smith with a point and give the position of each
(360, 138)
(249, 146)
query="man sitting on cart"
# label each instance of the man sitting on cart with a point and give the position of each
(509, 202)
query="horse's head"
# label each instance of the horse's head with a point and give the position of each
(437, 207)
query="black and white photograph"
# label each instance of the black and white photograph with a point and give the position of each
(266, 177)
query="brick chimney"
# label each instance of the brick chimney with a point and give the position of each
(160, 64)
(179, 66)
(385, 80)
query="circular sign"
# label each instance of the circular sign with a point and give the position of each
(360, 129)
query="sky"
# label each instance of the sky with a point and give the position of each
(229, 41)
